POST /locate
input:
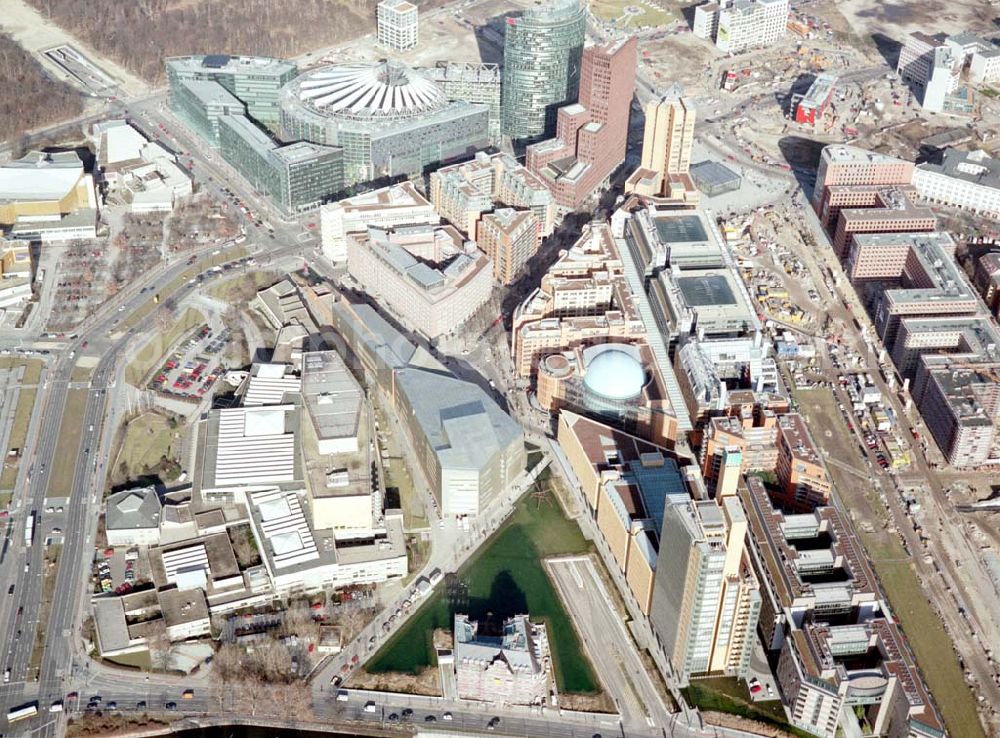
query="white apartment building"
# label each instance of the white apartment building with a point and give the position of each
(968, 180)
(398, 204)
(737, 26)
(397, 24)
(985, 67)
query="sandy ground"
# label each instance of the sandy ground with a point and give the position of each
(897, 18)
(36, 34)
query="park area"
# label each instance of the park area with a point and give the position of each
(505, 578)
(631, 13)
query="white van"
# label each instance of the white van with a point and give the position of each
(369, 706)
(342, 696)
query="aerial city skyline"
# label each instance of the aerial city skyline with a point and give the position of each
(566, 368)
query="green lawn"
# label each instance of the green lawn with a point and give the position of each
(727, 695)
(650, 14)
(505, 578)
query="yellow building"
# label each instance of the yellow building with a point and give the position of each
(666, 151)
(44, 187)
(625, 496)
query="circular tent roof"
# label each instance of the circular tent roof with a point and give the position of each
(385, 89)
(615, 375)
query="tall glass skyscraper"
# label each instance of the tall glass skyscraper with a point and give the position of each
(542, 49)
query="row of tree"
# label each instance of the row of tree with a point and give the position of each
(139, 34)
(28, 97)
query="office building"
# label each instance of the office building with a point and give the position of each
(967, 180)
(810, 107)
(918, 277)
(803, 481)
(666, 151)
(962, 335)
(840, 164)
(843, 664)
(300, 559)
(986, 277)
(737, 26)
(592, 133)
(395, 205)
(462, 192)
(706, 598)
(389, 119)
(959, 399)
(253, 80)
(878, 210)
(509, 238)
(542, 53)
(468, 449)
(397, 24)
(932, 69)
(583, 299)
(296, 177)
(474, 83)
(510, 668)
(202, 104)
(628, 482)
(427, 276)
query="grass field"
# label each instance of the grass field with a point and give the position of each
(22, 416)
(48, 591)
(650, 13)
(233, 288)
(70, 430)
(81, 373)
(138, 660)
(505, 578)
(156, 349)
(727, 695)
(148, 438)
(930, 642)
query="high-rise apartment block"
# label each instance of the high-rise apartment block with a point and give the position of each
(803, 481)
(590, 134)
(706, 596)
(737, 26)
(666, 151)
(542, 50)
(397, 24)
(509, 238)
(931, 68)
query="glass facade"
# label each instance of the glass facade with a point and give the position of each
(254, 80)
(542, 51)
(295, 177)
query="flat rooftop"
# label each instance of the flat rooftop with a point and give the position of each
(333, 397)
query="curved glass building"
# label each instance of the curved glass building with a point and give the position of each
(542, 49)
(389, 119)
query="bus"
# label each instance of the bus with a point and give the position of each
(29, 528)
(23, 713)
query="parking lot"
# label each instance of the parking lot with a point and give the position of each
(195, 366)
